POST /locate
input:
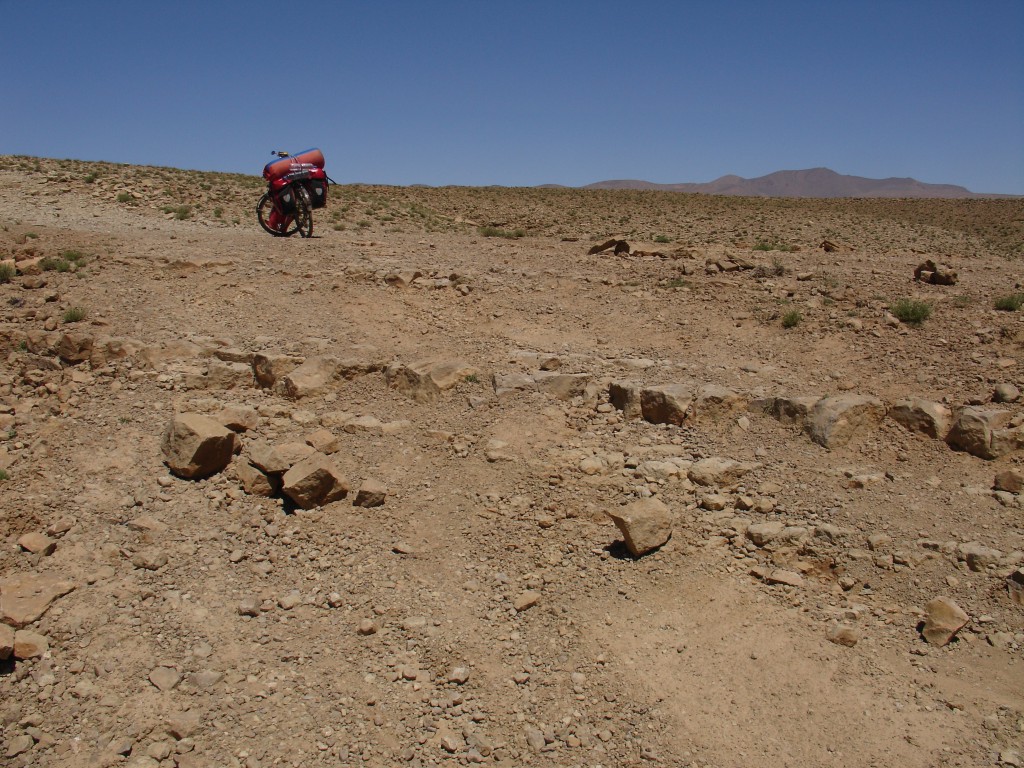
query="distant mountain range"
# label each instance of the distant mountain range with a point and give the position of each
(814, 182)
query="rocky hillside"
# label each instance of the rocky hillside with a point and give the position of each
(506, 477)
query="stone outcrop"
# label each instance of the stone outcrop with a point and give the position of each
(834, 421)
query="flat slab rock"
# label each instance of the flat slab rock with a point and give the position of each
(24, 598)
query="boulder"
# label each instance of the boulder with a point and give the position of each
(314, 482)
(930, 418)
(713, 403)
(1015, 587)
(256, 482)
(787, 410)
(228, 375)
(625, 396)
(719, 471)
(935, 274)
(645, 525)
(423, 381)
(666, 404)
(1010, 480)
(835, 420)
(562, 386)
(30, 645)
(310, 378)
(268, 368)
(196, 446)
(6, 642)
(370, 494)
(75, 347)
(985, 433)
(943, 619)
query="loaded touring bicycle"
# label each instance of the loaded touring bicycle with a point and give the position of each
(296, 186)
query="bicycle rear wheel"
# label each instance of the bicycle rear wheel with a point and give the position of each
(303, 212)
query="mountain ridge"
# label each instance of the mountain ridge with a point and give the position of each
(811, 182)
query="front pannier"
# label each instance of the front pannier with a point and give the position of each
(284, 200)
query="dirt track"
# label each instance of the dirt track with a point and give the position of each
(389, 635)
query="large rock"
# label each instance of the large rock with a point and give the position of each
(719, 471)
(985, 433)
(255, 481)
(787, 410)
(269, 368)
(933, 419)
(423, 381)
(196, 446)
(26, 597)
(834, 421)
(75, 347)
(314, 481)
(625, 396)
(562, 386)
(6, 641)
(666, 404)
(310, 378)
(644, 524)
(943, 619)
(714, 402)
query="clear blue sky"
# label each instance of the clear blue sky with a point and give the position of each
(525, 92)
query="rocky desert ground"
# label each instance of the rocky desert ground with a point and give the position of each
(440, 486)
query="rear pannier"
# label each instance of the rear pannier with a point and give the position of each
(317, 192)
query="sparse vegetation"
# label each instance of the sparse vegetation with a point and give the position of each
(497, 232)
(792, 319)
(774, 244)
(7, 272)
(181, 212)
(73, 315)
(775, 269)
(662, 239)
(4, 476)
(1010, 303)
(911, 311)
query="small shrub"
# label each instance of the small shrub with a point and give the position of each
(73, 315)
(55, 264)
(4, 475)
(676, 282)
(472, 379)
(7, 273)
(774, 244)
(124, 197)
(181, 212)
(91, 178)
(497, 232)
(911, 311)
(1010, 303)
(662, 239)
(792, 319)
(218, 212)
(776, 269)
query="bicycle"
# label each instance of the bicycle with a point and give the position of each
(296, 185)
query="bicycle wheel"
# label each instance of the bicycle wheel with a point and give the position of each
(303, 212)
(263, 210)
